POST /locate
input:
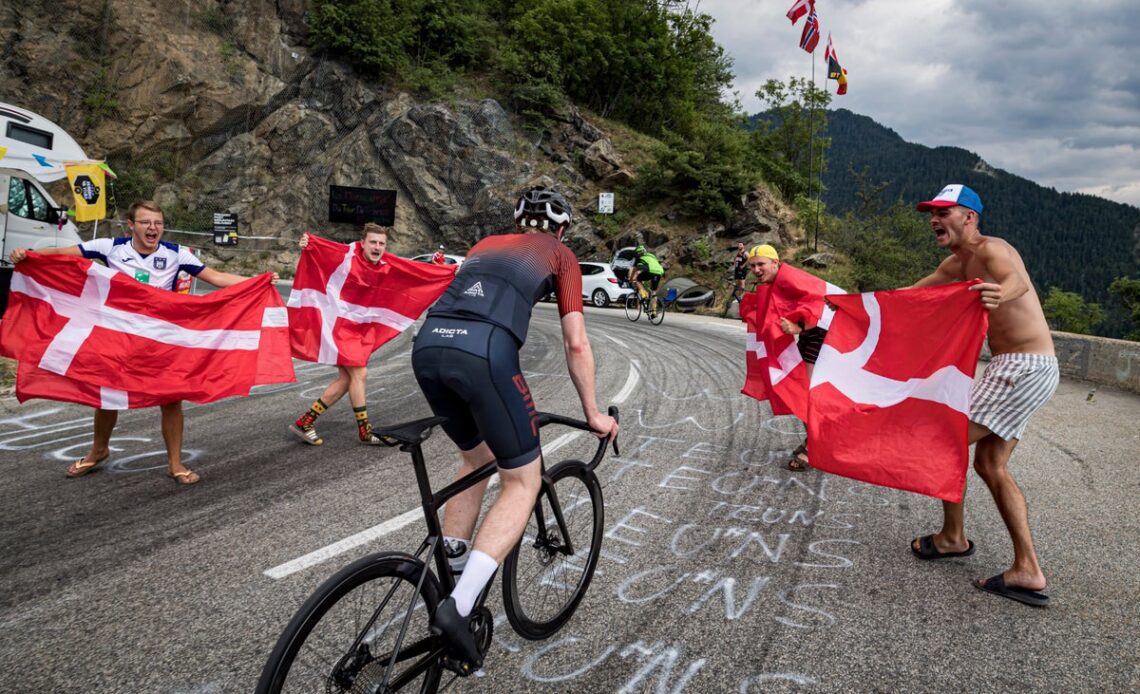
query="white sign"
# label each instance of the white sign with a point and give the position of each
(605, 203)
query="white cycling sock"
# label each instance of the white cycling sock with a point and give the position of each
(476, 574)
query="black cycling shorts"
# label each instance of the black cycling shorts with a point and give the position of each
(647, 279)
(469, 372)
(740, 272)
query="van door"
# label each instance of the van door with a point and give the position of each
(30, 220)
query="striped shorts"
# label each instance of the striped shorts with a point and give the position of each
(1010, 390)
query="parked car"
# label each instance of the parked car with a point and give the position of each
(449, 259)
(600, 285)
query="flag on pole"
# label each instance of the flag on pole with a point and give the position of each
(89, 187)
(834, 70)
(890, 394)
(800, 9)
(343, 308)
(88, 334)
(810, 36)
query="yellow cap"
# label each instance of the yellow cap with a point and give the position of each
(764, 250)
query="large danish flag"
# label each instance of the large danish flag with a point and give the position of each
(890, 394)
(776, 372)
(343, 308)
(88, 334)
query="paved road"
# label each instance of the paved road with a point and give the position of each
(723, 571)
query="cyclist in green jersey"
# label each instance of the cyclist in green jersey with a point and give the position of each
(648, 267)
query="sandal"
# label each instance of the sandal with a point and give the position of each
(83, 466)
(185, 477)
(799, 459)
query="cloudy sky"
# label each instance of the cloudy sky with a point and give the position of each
(1046, 90)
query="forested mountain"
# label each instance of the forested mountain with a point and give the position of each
(1076, 242)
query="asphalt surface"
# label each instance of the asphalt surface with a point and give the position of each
(722, 570)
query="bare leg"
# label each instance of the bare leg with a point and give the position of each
(507, 518)
(461, 511)
(172, 422)
(104, 424)
(338, 388)
(356, 385)
(952, 536)
(991, 458)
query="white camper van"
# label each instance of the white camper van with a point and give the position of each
(34, 151)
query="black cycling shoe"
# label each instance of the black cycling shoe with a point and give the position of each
(447, 622)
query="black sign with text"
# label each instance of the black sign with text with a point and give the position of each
(225, 229)
(362, 205)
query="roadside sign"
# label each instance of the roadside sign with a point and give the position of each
(225, 229)
(605, 203)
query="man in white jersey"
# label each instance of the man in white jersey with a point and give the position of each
(150, 260)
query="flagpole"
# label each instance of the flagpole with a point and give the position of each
(811, 146)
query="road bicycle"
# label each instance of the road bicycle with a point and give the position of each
(366, 629)
(638, 302)
(736, 293)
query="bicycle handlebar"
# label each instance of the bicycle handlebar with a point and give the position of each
(545, 418)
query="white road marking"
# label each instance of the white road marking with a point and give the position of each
(630, 383)
(377, 531)
(617, 341)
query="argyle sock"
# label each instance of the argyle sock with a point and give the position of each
(315, 411)
(362, 425)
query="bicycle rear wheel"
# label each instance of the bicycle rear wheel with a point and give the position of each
(656, 318)
(632, 307)
(343, 637)
(542, 581)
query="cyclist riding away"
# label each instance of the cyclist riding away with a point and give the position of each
(646, 265)
(466, 361)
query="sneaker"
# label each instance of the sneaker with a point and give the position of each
(372, 440)
(456, 630)
(307, 433)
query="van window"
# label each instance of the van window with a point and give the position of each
(25, 200)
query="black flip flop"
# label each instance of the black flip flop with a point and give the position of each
(927, 549)
(997, 586)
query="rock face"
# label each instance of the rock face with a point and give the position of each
(223, 106)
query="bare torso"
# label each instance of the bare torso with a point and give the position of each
(1016, 325)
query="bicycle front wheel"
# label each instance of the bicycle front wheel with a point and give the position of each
(632, 307)
(343, 638)
(547, 573)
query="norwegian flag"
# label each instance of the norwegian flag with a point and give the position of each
(890, 394)
(800, 9)
(776, 371)
(810, 36)
(85, 333)
(343, 308)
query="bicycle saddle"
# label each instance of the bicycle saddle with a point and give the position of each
(416, 431)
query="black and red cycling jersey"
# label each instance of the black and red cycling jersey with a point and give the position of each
(503, 278)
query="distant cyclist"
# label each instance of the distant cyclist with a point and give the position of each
(466, 361)
(646, 270)
(740, 266)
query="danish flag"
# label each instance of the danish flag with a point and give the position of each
(343, 307)
(890, 393)
(88, 334)
(775, 370)
(799, 9)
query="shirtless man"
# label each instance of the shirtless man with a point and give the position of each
(1019, 379)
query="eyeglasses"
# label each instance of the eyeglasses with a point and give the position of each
(150, 223)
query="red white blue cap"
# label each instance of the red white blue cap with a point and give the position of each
(951, 195)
